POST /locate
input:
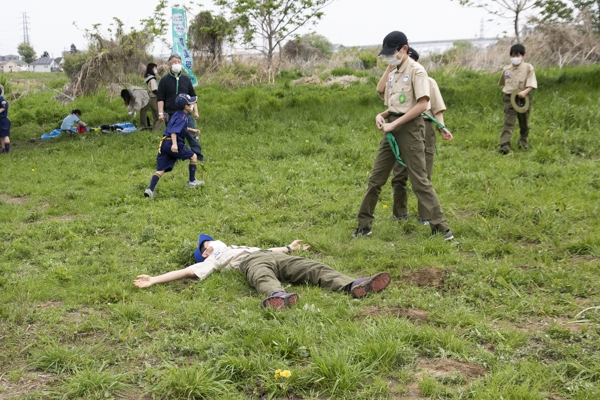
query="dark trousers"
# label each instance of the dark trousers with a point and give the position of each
(411, 142)
(265, 271)
(401, 173)
(510, 118)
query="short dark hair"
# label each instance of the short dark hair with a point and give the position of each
(76, 111)
(172, 56)
(126, 96)
(517, 49)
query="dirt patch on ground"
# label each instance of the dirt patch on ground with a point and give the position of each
(531, 327)
(340, 80)
(412, 314)
(47, 304)
(28, 382)
(446, 368)
(409, 391)
(13, 200)
(425, 277)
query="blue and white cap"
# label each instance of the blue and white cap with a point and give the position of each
(201, 239)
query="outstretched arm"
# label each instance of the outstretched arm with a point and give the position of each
(295, 245)
(143, 281)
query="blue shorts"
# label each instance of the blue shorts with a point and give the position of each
(4, 127)
(166, 159)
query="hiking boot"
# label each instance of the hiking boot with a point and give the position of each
(423, 222)
(504, 150)
(447, 235)
(280, 300)
(195, 183)
(361, 232)
(376, 283)
(148, 193)
(402, 218)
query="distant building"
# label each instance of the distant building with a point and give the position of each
(13, 66)
(47, 64)
(10, 57)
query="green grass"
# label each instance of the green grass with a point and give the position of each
(287, 162)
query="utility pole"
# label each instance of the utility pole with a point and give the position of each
(25, 29)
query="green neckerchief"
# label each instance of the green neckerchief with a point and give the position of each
(177, 80)
(394, 146)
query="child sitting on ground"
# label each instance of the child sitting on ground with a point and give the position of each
(71, 120)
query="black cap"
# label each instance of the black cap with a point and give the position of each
(412, 53)
(392, 42)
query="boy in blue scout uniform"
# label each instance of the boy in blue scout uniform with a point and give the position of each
(266, 269)
(4, 123)
(518, 76)
(436, 109)
(172, 146)
(406, 95)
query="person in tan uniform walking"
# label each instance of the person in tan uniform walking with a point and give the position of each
(519, 76)
(406, 95)
(436, 109)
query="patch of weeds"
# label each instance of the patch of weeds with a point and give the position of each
(189, 382)
(92, 383)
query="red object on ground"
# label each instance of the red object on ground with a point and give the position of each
(81, 129)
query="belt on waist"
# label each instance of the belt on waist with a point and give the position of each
(397, 114)
(164, 138)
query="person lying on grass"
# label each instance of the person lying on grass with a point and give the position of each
(265, 270)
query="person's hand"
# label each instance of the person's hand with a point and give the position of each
(174, 148)
(379, 121)
(446, 134)
(143, 281)
(161, 117)
(522, 94)
(208, 252)
(385, 128)
(296, 245)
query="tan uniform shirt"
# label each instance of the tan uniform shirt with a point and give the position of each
(406, 84)
(151, 86)
(225, 257)
(139, 99)
(517, 78)
(436, 102)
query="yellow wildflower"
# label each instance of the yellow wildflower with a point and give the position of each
(277, 374)
(286, 373)
(384, 206)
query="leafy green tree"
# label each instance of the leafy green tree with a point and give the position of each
(26, 51)
(501, 7)
(307, 47)
(560, 11)
(207, 34)
(45, 54)
(265, 24)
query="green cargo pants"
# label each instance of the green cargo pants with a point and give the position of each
(265, 271)
(400, 173)
(411, 142)
(510, 117)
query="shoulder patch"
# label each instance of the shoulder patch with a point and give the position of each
(3, 103)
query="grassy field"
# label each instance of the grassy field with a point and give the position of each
(506, 311)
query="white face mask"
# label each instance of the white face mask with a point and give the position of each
(155, 71)
(176, 68)
(392, 60)
(516, 60)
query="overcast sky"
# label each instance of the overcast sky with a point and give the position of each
(348, 22)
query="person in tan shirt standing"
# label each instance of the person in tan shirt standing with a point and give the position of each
(406, 95)
(517, 76)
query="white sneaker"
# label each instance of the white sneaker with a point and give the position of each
(148, 193)
(195, 183)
